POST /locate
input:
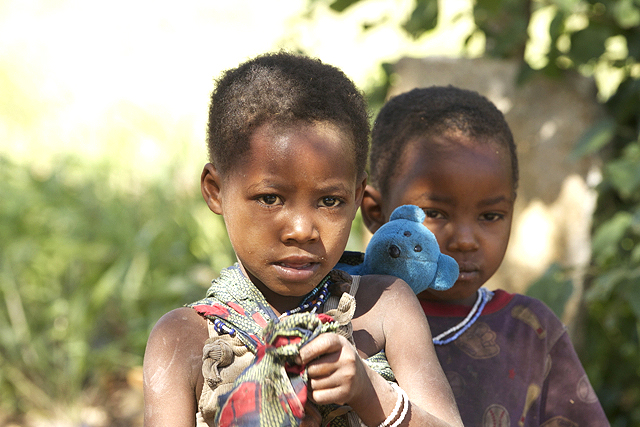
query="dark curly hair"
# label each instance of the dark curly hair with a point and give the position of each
(282, 89)
(435, 110)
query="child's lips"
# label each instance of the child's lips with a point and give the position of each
(297, 268)
(467, 275)
(468, 271)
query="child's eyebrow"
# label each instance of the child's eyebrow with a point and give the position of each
(441, 198)
(265, 183)
(431, 197)
(494, 201)
(277, 185)
(335, 188)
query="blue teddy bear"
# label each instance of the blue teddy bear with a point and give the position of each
(405, 248)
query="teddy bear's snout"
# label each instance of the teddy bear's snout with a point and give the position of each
(394, 251)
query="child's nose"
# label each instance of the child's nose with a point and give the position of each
(300, 227)
(463, 239)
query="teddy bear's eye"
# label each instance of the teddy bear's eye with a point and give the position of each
(418, 248)
(394, 251)
(407, 233)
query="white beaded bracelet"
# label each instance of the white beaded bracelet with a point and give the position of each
(405, 409)
(403, 400)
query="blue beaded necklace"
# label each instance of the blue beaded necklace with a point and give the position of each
(309, 303)
(484, 296)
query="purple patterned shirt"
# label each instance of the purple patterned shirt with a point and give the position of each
(515, 366)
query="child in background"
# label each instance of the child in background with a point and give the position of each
(288, 140)
(507, 357)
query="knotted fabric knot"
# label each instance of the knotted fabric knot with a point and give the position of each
(219, 352)
(272, 391)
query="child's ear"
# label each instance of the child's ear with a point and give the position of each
(371, 209)
(360, 191)
(210, 184)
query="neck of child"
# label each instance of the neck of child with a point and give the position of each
(442, 297)
(278, 303)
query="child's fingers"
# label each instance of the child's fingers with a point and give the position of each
(333, 368)
(322, 344)
(341, 377)
(334, 382)
(341, 363)
(337, 395)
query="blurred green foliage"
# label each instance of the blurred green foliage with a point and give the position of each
(554, 287)
(86, 269)
(612, 301)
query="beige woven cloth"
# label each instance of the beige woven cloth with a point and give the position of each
(225, 357)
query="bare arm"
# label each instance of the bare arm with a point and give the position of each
(393, 320)
(173, 369)
(413, 358)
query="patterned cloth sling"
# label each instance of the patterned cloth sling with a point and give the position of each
(272, 391)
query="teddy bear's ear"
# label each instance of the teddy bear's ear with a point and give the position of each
(409, 212)
(446, 273)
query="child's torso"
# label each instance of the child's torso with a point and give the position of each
(514, 366)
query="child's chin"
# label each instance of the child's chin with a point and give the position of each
(458, 294)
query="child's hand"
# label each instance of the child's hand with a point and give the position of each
(335, 371)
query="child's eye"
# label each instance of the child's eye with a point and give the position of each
(268, 199)
(330, 202)
(492, 217)
(433, 214)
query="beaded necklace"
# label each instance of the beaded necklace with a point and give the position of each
(307, 304)
(484, 296)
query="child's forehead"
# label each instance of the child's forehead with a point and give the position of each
(296, 160)
(283, 138)
(441, 153)
(451, 170)
(454, 144)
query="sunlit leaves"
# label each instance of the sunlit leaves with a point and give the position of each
(554, 287)
(505, 24)
(624, 173)
(608, 235)
(626, 13)
(599, 135)
(423, 18)
(589, 44)
(341, 5)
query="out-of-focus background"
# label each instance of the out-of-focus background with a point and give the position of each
(102, 119)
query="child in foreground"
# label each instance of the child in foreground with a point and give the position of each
(507, 357)
(288, 141)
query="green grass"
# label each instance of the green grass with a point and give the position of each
(86, 269)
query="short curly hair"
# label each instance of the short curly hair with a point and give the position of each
(435, 110)
(282, 89)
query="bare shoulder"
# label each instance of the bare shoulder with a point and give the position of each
(380, 292)
(178, 338)
(392, 316)
(173, 367)
(382, 302)
(181, 319)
